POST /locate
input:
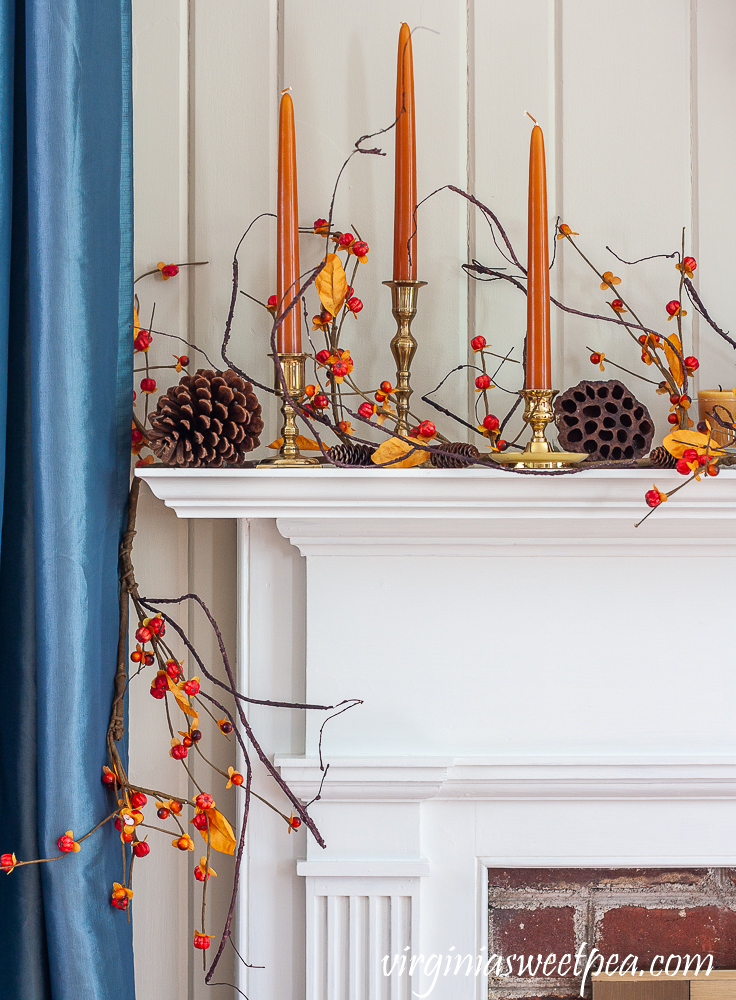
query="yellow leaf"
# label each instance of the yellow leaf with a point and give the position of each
(672, 360)
(394, 448)
(222, 838)
(678, 441)
(181, 700)
(302, 443)
(331, 284)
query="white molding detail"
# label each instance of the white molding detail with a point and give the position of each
(503, 779)
(364, 868)
(598, 494)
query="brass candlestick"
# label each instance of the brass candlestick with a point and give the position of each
(404, 295)
(538, 454)
(289, 456)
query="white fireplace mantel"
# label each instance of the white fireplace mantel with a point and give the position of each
(542, 683)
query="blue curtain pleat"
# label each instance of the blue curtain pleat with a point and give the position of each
(66, 312)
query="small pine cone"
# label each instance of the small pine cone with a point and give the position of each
(460, 450)
(358, 455)
(209, 419)
(661, 458)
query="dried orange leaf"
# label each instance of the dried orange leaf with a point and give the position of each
(672, 359)
(678, 441)
(331, 284)
(221, 834)
(394, 448)
(302, 443)
(181, 699)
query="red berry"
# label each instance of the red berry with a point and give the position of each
(138, 800)
(689, 263)
(713, 470)
(652, 498)
(702, 427)
(674, 399)
(157, 625)
(427, 429)
(169, 270)
(204, 801)
(148, 385)
(143, 341)
(118, 824)
(595, 359)
(199, 874)
(320, 224)
(178, 751)
(295, 822)
(149, 659)
(340, 369)
(692, 363)
(201, 941)
(386, 387)
(184, 360)
(183, 843)
(617, 304)
(366, 410)
(175, 806)
(161, 682)
(65, 844)
(354, 304)
(483, 382)
(502, 445)
(682, 467)
(163, 813)
(135, 436)
(323, 357)
(108, 778)
(379, 397)
(200, 822)
(143, 634)
(225, 725)
(673, 307)
(690, 455)
(173, 670)
(702, 460)
(196, 735)
(321, 401)
(672, 418)
(490, 422)
(136, 656)
(7, 862)
(141, 849)
(272, 302)
(191, 687)
(360, 248)
(643, 338)
(346, 240)
(120, 904)
(478, 343)
(236, 778)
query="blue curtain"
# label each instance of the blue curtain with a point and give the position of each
(65, 408)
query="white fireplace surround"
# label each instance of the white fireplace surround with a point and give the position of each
(543, 684)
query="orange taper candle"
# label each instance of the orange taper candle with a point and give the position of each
(538, 353)
(288, 340)
(405, 192)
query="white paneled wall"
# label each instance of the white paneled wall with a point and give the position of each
(637, 103)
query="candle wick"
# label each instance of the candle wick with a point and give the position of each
(285, 91)
(531, 116)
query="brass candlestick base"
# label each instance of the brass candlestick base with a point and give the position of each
(538, 454)
(289, 456)
(403, 346)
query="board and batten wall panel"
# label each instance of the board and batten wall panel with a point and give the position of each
(637, 104)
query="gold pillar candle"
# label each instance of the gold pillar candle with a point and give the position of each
(725, 401)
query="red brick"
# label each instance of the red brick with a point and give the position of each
(648, 932)
(594, 878)
(543, 931)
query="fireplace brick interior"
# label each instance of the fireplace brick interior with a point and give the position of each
(624, 911)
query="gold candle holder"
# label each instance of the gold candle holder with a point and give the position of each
(404, 294)
(538, 454)
(289, 456)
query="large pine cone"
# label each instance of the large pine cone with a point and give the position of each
(358, 455)
(460, 452)
(208, 419)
